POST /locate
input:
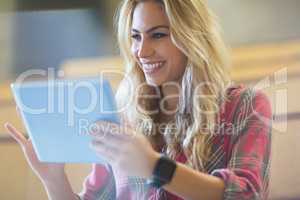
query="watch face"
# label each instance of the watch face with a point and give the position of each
(164, 169)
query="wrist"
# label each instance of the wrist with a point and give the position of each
(154, 157)
(54, 180)
(59, 188)
(163, 171)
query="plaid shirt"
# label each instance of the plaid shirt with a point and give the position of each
(240, 156)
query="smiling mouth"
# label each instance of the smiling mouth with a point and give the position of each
(151, 68)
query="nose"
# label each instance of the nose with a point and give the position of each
(145, 49)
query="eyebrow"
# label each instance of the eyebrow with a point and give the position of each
(152, 29)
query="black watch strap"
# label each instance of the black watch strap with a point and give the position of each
(163, 172)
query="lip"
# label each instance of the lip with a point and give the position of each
(152, 67)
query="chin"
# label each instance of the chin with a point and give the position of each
(154, 82)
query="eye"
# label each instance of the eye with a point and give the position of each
(136, 37)
(159, 35)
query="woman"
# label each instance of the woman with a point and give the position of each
(186, 133)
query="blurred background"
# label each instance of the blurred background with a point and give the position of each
(77, 37)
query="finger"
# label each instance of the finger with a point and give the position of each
(107, 130)
(103, 149)
(18, 136)
(113, 140)
(109, 141)
(18, 111)
(103, 146)
(106, 158)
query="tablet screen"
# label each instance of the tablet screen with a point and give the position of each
(59, 115)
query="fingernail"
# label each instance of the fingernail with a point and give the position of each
(6, 124)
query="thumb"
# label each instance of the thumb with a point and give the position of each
(17, 135)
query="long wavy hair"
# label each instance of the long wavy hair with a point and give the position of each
(194, 31)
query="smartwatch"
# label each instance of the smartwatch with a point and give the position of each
(163, 172)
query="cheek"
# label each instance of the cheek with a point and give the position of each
(173, 53)
(182, 60)
(134, 50)
(177, 64)
(178, 59)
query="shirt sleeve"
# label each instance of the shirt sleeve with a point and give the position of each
(247, 174)
(99, 184)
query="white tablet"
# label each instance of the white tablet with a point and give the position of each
(59, 115)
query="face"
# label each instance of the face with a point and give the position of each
(160, 60)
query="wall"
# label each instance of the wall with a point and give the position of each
(256, 21)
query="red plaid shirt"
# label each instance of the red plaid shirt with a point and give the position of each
(241, 156)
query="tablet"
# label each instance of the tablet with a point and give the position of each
(59, 115)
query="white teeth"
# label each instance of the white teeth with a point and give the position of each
(152, 66)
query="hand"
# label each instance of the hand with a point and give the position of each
(45, 171)
(124, 149)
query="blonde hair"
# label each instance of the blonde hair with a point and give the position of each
(195, 32)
